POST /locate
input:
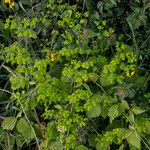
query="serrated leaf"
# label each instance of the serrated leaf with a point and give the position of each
(2, 135)
(137, 110)
(99, 147)
(131, 116)
(134, 139)
(125, 104)
(81, 147)
(57, 145)
(25, 129)
(104, 112)
(9, 123)
(95, 111)
(113, 112)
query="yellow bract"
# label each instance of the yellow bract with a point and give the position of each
(11, 3)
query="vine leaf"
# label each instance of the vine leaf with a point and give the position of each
(57, 145)
(134, 139)
(9, 123)
(113, 112)
(25, 129)
(81, 147)
(137, 110)
(125, 104)
(95, 111)
(131, 116)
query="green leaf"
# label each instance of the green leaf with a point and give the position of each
(131, 116)
(113, 112)
(99, 147)
(32, 82)
(122, 147)
(104, 112)
(95, 111)
(81, 147)
(125, 104)
(25, 129)
(95, 15)
(89, 4)
(19, 114)
(134, 139)
(21, 5)
(9, 123)
(26, 2)
(57, 145)
(114, 2)
(2, 135)
(67, 14)
(137, 110)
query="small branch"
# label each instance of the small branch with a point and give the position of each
(5, 91)
(100, 87)
(1, 117)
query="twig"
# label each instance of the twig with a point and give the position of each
(5, 91)
(100, 87)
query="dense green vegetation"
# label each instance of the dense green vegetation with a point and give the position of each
(74, 75)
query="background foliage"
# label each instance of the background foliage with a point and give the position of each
(75, 74)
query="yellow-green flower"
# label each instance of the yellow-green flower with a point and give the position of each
(11, 3)
(130, 74)
(53, 57)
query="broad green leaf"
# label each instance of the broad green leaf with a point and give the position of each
(9, 123)
(86, 86)
(95, 15)
(91, 139)
(114, 2)
(104, 112)
(81, 147)
(25, 129)
(58, 106)
(125, 104)
(57, 145)
(99, 147)
(95, 111)
(32, 82)
(2, 135)
(67, 14)
(131, 116)
(121, 147)
(113, 112)
(89, 4)
(134, 139)
(11, 142)
(137, 110)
